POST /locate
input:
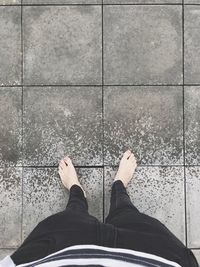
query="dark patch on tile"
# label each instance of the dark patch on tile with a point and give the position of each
(45, 195)
(193, 205)
(142, 44)
(62, 121)
(10, 127)
(62, 45)
(192, 124)
(10, 45)
(192, 39)
(147, 120)
(157, 192)
(10, 206)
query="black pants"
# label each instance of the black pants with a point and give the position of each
(124, 227)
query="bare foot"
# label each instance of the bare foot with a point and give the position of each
(68, 173)
(126, 168)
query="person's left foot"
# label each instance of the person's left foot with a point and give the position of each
(68, 173)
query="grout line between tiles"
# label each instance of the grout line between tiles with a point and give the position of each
(99, 4)
(143, 4)
(22, 105)
(105, 4)
(101, 166)
(100, 85)
(183, 62)
(102, 61)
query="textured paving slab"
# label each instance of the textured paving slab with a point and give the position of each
(192, 1)
(5, 252)
(142, 44)
(10, 206)
(45, 195)
(141, 1)
(193, 205)
(10, 2)
(10, 126)
(61, 121)
(10, 45)
(192, 124)
(197, 254)
(145, 119)
(192, 39)
(155, 191)
(62, 44)
(62, 1)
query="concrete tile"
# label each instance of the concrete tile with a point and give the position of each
(11, 126)
(62, 1)
(192, 124)
(197, 254)
(192, 50)
(45, 195)
(142, 1)
(5, 252)
(147, 120)
(157, 192)
(62, 45)
(193, 205)
(10, 206)
(191, 1)
(142, 44)
(61, 121)
(10, 45)
(10, 2)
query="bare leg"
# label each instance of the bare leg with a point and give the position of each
(68, 174)
(126, 168)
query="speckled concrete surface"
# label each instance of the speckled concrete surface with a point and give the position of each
(150, 120)
(89, 79)
(62, 120)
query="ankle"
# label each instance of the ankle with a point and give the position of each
(119, 181)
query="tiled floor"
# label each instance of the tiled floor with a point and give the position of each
(90, 79)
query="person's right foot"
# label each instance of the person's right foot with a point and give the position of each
(126, 168)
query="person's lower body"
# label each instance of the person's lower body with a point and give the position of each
(73, 226)
(140, 232)
(124, 227)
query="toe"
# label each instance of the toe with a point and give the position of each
(60, 167)
(62, 164)
(127, 153)
(132, 158)
(68, 160)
